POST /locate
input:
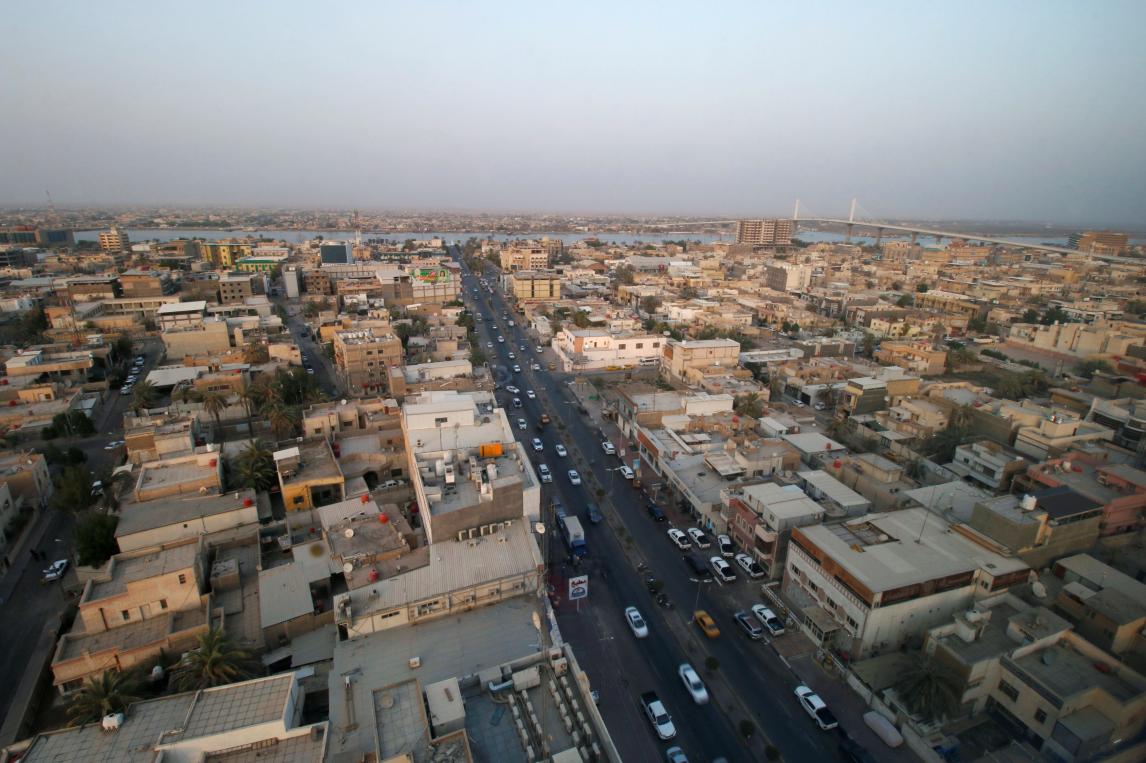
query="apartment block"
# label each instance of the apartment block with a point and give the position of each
(870, 584)
(1118, 487)
(682, 355)
(918, 357)
(533, 285)
(1057, 433)
(770, 232)
(599, 349)
(787, 276)
(988, 464)
(1042, 526)
(309, 475)
(1100, 242)
(1078, 340)
(365, 356)
(1106, 607)
(1126, 417)
(114, 240)
(761, 518)
(225, 252)
(146, 283)
(526, 257)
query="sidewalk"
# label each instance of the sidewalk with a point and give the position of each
(20, 556)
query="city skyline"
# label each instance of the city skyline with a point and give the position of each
(921, 113)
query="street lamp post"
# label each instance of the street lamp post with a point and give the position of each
(699, 582)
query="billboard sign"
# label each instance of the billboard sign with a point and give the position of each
(578, 587)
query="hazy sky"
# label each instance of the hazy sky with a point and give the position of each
(1003, 110)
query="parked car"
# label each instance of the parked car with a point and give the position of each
(512, 389)
(543, 470)
(574, 477)
(726, 548)
(521, 424)
(55, 570)
(593, 511)
(675, 755)
(750, 566)
(517, 369)
(816, 708)
(722, 569)
(693, 684)
(749, 625)
(512, 356)
(706, 623)
(537, 446)
(636, 623)
(768, 619)
(698, 537)
(517, 402)
(697, 564)
(560, 450)
(626, 472)
(609, 448)
(531, 394)
(679, 539)
(656, 512)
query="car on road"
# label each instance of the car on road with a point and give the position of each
(696, 563)
(543, 470)
(97, 488)
(512, 389)
(706, 623)
(512, 356)
(626, 472)
(489, 344)
(722, 569)
(749, 625)
(658, 715)
(531, 394)
(656, 512)
(310, 370)
(113, 445)
(692, 683)
(574, 477)
(750, 566)
(55, 570)
(522, 348)
(768, 619)
(725, 545)
(560, 450)
(816, 708)
(698, 537)
(521, 424)
(500, 339)
(636, 623)
(535, 367)
(536, 443)
(517, 402)
(679, 539)
(593, 511)
(517, 369)
(609, 448)
(675, 755)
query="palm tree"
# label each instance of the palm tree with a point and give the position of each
(248, 397)
(109, 499)
(143, 396)
(215, 404)
(281, 421)
(961, 417)
(930, 689)
(256, 466)
(109, 692)
(749, 405)
(215, 661)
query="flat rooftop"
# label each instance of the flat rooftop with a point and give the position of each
(125, 569)
(156, 475)
(177, 308)
(782, 501)
(131, 635)
(832, 488)
(899, 548)
(467, 488)
(317, 462)
(1066, 673)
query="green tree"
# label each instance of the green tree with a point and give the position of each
(73, 489)
(930, 690)
(688, 292)
(905, 301)
(961, 356)
(749, 405)
(255, 467)
(256, 353)
(921, 288)
(581, 319)
(94, 537)
(1055, 315)
(867, 347)
(124, 346)
(109, 692)
(214, 404)
(216, 660)
(650, 304)
(1087, 368)
(311, 310)
(281, 420)
(143, 396)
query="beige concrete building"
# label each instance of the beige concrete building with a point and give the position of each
(771, 232)
(683, 355)
(599, 349)
(193, 474)
(309, 475)
(534, 285)
(209, 337)
(364, 356)
(787, 276)
(917, 357)
(529, 255)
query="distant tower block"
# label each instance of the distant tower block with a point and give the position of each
(770, 232)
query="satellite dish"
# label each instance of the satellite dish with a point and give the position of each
(348, 532)
(347, 567)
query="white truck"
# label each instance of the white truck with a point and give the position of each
(658, 715)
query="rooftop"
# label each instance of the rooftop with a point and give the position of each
(901, 548)
(182, 474)
(177, 308)
(315, 461)
(125, 569)
(812, 442)
(130, 635)
(1065, 672)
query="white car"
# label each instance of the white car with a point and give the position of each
(536, 366)
(768, 619)
(537, 446)
(722, 569)
(543, 470)
(698, 537)
(726, 548)
(512, 389)
(521, 424)
(815, 707)
(574, 477)
(693, 684)
(560, 450)
(113, 445)
(749, 565)
(680, 539)
(501, 340)
(626, 472)
(512, 356)
(517, 369)
(489, 344)
(522, 348)
(609, 448)
(55, 570)
(637, 623)
(531, 394)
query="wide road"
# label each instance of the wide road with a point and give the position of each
(762, 683)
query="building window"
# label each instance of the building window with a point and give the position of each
(163, 603)
(1008, 691)
(125, 615)
(1040, 716)
(182, 579)
(640, 345)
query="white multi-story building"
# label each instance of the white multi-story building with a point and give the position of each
(596, 349)
(787, 276)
